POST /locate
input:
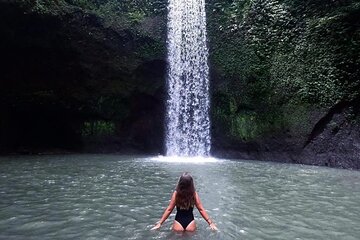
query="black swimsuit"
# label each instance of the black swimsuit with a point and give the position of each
(184, 216)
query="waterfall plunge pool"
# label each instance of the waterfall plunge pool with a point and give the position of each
(121, 197)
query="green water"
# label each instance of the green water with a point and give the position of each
(121, 197)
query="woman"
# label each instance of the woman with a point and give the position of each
(184, 198)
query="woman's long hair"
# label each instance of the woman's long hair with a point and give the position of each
(185, 192)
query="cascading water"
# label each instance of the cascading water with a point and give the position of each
(188, 124)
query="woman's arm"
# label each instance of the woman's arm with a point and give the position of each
(167, 212)
(203, 212)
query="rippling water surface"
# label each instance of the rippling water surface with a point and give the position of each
(121, 197)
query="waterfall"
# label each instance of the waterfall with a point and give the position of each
(187, 121)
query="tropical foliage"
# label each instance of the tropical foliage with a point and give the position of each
(272, 60)
(279, 55)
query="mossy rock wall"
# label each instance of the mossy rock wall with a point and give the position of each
(71, 64)
(284, 76)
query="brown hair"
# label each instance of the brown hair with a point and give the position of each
(185, 192)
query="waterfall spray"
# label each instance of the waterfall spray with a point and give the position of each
(187, 123)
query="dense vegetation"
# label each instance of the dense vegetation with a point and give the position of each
(280, 59)
(277, 66)
(80, 68)
(276, 60)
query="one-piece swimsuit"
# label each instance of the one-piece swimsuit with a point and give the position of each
(184, 216)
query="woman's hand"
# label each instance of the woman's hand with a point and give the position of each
(156, 227)
(213, 227)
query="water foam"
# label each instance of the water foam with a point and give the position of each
(177, 159)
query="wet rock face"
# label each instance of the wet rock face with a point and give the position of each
(62, 69)
(57, 69)
(338, 145)
(333, 141)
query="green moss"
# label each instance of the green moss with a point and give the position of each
(151, 50)
(42, 6)
(98, 128)
(111, 107)
(136, 16)
(243, 122)
(274, 58)
(248, 126)
(281, 60)
(254, 122)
